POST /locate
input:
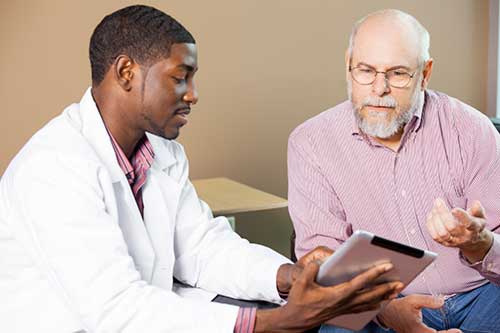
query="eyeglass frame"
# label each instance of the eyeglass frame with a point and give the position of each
(385, 76)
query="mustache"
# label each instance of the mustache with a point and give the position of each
(386, 101)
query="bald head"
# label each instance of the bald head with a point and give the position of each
(390, 30)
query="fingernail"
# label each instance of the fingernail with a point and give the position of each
(398, 286)
(387, 267)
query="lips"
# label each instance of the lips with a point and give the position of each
(379, 108)
(183, 112)
(181, 115)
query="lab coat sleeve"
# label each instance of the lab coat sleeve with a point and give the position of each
(209, 255)
(57, 209)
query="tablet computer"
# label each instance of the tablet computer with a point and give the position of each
(362, 251)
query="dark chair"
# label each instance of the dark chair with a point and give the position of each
(496, 123)
(293, 257)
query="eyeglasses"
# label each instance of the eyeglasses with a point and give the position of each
(397, 78)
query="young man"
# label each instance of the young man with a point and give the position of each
(97, 214)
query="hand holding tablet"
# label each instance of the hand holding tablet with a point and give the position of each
(359, 253)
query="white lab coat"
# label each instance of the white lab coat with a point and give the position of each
(75, 253)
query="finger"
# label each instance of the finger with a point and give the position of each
(319, 253)
(310, 272)
(441, 206)
(453, 330)
(463, 218)
(425, 301)
(363, 307)
(441, 230)
(446, 217)
(377, 294)
(477, 210)
(362, 280)
(322, 252)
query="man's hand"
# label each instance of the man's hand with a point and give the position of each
(287, 273)
(405, 314)
(310, 304)
(461, 229)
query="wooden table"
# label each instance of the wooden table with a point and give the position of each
(228, 197)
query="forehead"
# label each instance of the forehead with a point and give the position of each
(182, 56)
(386, 42)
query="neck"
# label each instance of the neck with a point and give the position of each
(117, 120)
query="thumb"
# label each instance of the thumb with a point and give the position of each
(453, 330)
(426, 301)
(476, 209)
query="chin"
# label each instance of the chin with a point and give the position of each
(171, 135)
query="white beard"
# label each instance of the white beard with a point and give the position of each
(377, 124)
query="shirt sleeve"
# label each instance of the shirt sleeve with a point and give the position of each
(488, 267)
(480, 149)
(315, 209)
(211, 256)
(245, 322)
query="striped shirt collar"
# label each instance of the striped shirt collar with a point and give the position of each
(136, 168)
(141, 160)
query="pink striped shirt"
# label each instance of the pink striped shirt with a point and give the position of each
(341, 180)
(136, 172)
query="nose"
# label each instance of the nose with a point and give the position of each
(191, 96)
(381, 86)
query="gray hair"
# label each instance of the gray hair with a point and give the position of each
(424, 39)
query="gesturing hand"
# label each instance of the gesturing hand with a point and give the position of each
(461, 229)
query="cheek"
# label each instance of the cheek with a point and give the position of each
(359, 94)
(404, 101)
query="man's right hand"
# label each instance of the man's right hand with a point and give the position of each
(405, 314)
(310, 304)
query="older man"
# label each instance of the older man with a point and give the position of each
(409, 164)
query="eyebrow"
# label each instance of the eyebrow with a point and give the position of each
(388, 69)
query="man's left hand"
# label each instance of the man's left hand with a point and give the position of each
(461, 229)
(287, 273)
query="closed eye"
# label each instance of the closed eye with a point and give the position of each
(399, 73)
(179, 80)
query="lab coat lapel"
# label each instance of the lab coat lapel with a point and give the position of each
(129, 217)
(161, 197)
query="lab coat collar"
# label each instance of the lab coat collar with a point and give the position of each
(94, 130)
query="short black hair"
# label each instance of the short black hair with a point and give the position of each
(143, 33)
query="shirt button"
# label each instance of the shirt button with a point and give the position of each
(412, 231)
(490, 266)
(403, 193)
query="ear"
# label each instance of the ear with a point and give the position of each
(426, 72)
(124, 68)
(347, 59)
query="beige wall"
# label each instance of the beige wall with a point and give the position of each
(265, 67)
